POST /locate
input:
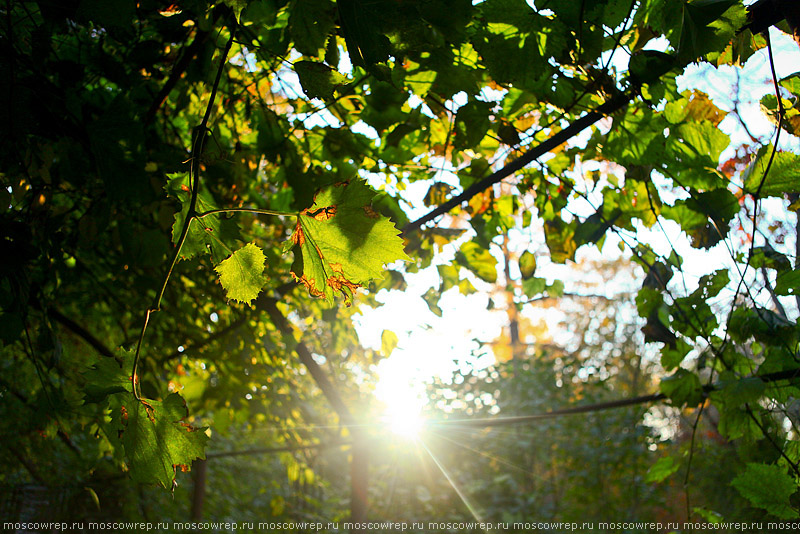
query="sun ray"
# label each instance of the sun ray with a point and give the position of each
(486, 455)
(454, 485)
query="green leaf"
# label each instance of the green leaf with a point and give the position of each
(107, 377)
(647, 66)
(788, 283)
(560, 239)
(682, 387)
(527, 264)
(318, 79)
(769, 487)
(594, 228)
(782, 176)
(673, 355)
(341, 243)
(735, 391)
(156, 439)
(770, 258)
(211, 234)
(448, 275)
(472, 123)
(662, 469)
(698, 35)
(534, 286)
(242, 274)
(431, 298)
(705, 216)
(478, 260)
(762, 324)
(310, 22)
(237, 6)
(366, 45)
(388, 342)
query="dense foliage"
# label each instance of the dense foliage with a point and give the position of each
(198, 196)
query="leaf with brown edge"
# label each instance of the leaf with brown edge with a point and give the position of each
(341, 243)
(156, 438)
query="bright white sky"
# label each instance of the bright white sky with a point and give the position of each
(437, 346)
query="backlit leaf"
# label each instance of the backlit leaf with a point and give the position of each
(478, 260)
(341, 242)
(431, 298)
(156, 438)
(310, 21)
(242, 274)
(388, 342)
(781, 178)
(788, 283)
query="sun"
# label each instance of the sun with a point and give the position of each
(403, 402)
(405, 423)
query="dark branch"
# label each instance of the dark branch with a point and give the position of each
(82, 333)
(178, 70)
(617, 102)
(303, 352)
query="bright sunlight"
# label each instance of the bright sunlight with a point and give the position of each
(402, 400)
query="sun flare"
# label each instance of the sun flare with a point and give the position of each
(403, 402)
(405, 424)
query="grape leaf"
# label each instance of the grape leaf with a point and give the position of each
(318, 80)
(341, 243)
(478, 260)
(208, 234)
(156, 439)
(107, 377)
(767, 487)
(662, 469)
(242, 273)
(682, 387)
(781, 178)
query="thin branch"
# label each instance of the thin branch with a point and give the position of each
(198, 143)
(177, 73)
(246, 210)
(778, 306)
(596, 407)
(28, 465)
(273, 450)
(568, 294)
(777, 447)
(612, 105)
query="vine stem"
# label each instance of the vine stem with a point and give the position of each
(245, 210)
(198, 142)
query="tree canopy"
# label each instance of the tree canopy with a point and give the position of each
(199, 196)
